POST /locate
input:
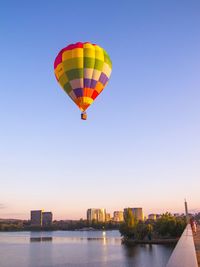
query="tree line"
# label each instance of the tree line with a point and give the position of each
(69, 225)
(167, 226)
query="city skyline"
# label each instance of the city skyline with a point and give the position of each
(140, 145)
(111, 213)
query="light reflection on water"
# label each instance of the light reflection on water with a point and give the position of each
(80, 248)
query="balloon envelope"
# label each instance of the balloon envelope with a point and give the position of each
(83, 70)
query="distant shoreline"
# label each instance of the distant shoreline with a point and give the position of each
(55, 230)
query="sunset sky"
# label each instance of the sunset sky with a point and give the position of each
(140, 146)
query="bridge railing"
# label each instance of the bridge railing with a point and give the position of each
(184, 254)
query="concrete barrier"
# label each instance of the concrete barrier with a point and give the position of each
(184, 254)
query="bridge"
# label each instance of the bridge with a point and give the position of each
(187, 251)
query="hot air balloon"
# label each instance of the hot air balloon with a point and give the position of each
(83, 70)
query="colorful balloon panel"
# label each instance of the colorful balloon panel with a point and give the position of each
(83, 70)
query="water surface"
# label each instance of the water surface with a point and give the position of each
(77, 248)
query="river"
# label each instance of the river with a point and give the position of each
(77, 248)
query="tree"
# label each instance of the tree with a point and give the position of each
(149, 230)
(170, 226)
(128, 228)
(141, 231)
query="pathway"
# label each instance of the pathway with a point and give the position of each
(197, 243)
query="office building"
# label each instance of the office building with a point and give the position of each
(108, 218)
(152, 217)
(36, 218)
(91, 215)
(40, 218)
(158, 216)
(118, 216)
(101, 217)
(98, 215)
(47, 218)
(137, 213)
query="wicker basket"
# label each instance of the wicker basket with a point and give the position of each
(84, 116)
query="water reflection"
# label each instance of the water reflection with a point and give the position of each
(147, 255)
(77, 237)
(77, 249)
(41, 239)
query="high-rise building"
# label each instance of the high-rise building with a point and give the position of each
(158, 216)
(118, 216)
(137, 213)
(98, 215)
(108, 218)
(36, 218)
(40, 218)
(47, 218)
(152, 217)
(101, 217)
(91, 215)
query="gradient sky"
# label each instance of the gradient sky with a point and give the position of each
(141, 143)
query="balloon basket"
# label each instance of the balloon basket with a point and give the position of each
(84, 116)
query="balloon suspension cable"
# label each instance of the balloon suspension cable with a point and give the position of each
(84, 116)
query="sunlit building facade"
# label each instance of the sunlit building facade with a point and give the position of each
(101, 217)
(91, 215)
(152, 217)
(118, 216)
(108, 217)
(98, 215)
(137, 213)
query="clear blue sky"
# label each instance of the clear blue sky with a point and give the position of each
(141, 143)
